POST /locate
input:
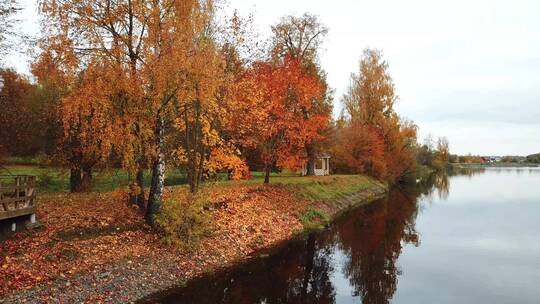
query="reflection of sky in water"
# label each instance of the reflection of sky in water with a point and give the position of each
(480, 245)
(340, 280)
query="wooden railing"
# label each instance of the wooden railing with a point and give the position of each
(17, 194)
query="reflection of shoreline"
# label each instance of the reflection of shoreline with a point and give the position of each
(368, 241)
(372, 239)
(496, 165)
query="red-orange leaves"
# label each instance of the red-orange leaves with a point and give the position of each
(287, 92)
(361, 149)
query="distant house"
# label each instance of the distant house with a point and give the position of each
(322, 165)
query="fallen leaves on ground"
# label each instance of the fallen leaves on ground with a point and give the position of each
(87, 232)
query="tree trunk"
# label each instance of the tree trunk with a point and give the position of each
(75, 180)
(140, 183)
(267, 174)
(311, 161)
(192, 173)
(158, 175)
(86, 179)
(132, 199)
(136, 189)
(200, 172)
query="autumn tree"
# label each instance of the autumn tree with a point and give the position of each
(400, 152)
(164, 68)
(86, 115)
(110, 35)
(370, 102)
(442, 154)
(435, 154)
(201, 108)
(360, 150)
(16, 131)
(371, 97)
(287, 91)
(426, 152)
(300, 38)
(29, 122)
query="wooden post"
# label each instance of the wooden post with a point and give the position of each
(17, 197)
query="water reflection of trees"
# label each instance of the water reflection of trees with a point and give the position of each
(470, 172)
(373, 241)
(313, 284)
(439, 182)
(299, 273)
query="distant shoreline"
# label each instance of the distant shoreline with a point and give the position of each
(495, 165)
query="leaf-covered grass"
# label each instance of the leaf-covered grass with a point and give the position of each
(87, 231)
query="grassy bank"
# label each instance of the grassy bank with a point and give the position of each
(92, 247)
(331, 195)
(56, 179)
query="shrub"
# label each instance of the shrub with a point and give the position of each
(45, 180)
(313, 218)
(185, 223)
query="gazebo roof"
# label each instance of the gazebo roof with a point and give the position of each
(323, 155)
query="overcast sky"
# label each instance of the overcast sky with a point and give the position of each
(465, 69)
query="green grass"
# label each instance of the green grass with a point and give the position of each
(285, 173)
(318, 188)
(313, 218)
(326, 188)
(315, 188)
(54, 179)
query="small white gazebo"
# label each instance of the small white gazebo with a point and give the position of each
(322, 165)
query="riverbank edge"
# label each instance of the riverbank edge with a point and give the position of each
(340, 206)
(134, 281)
(333, 208)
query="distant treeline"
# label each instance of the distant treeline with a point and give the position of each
(477, 159)
(534, 158)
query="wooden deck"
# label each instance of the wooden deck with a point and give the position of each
(17, 194)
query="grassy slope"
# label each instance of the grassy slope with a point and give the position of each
(329, 195)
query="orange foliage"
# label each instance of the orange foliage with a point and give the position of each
(400, 154)
(87, 120)
(286, 92)
(15, 115)
(370, 104)
(361, 149)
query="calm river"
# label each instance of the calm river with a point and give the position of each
(471, 237)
